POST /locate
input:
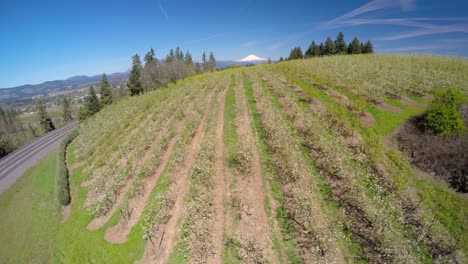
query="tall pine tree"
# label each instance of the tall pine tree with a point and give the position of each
(150, 56)
(322, 49)
(368, 47)
(45, 122)
(212, 62)
(340, 44)
(296, 54)
(134, 83)
(105, 91)
(308, 52)
(204, 63)
(188, 58)
(329, 47)
(66, 110)
(91, 105)
(354, 46)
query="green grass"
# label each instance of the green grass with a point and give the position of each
(32, 231)
(30, 216)
(282, 245)
(230, 141)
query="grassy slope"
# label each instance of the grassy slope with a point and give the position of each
(30, 218)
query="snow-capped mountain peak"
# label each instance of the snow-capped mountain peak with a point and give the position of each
(251, 58)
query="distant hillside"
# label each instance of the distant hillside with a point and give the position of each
(8, 95)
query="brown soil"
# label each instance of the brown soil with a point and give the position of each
(317, 107)
(354, 140)
(220, 187)
(409, 102)
(367, 119)
(253, 224)
(119, 232)
(343, 100)
(181, 185)
(66, 211)
(388, 107)
(440, 156)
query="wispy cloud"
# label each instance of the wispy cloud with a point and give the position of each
(249, 44)
(460, 28)
(443, 44)
(162, 10)
(405, 5)
(423, 25)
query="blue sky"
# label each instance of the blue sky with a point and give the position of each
(48, 40)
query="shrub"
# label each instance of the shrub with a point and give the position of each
(459, 181)
(62, 186)
(442, 116)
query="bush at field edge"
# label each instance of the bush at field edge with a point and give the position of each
(442, 116)
(61, 178)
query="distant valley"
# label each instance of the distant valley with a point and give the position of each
(53, 88)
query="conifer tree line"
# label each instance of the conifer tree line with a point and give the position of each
(157, 73)
(332, 47)
(92, 104)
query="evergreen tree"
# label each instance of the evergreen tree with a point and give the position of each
(340, 44)
(368, 47)
(315, 50)
(66, 110)
(308, 53)
(329, 47)
(45, 122)
(149, 57)
(188, 58)
(179, 56)
(296, 54)
(212, 62)
(134, 82)
(204, 61)
(354, 46)
(322, 49)
(269, 60)
(281, 59)
(92, 102)
(172, 55)
(105, 91)
(91, 105)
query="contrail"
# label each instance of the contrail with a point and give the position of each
(162, 10)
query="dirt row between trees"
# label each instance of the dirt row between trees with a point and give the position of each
(255, 243)
(119, 232)
(181, 185)
(220, 180)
